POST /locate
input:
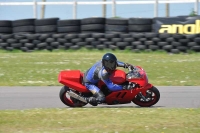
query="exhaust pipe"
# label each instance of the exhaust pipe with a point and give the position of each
(76, 96)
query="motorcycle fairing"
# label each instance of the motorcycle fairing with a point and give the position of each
(118, 77)
(72, 79)
(120, 97)
(142, 79)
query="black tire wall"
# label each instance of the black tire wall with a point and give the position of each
(135, 34)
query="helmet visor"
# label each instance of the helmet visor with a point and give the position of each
(110, 65)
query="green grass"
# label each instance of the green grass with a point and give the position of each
(100, 120)
(41, 68)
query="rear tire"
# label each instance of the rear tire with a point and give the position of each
(69, 101)
(153, 96)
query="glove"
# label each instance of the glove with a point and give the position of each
(128, 86)
(126, 65)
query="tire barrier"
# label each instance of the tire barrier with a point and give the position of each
(140, 25)
(114, 25)
(48, 25)
(146, 41)
(93, 25)
(136, 34)
(68, 26)
(23, 26)
(5, 26)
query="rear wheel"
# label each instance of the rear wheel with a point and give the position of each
(68, 100)
(152, 97)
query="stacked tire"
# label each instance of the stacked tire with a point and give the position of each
(85, 40)
(140, 25)
(98, 41)
(72, 41)
(47, 25)
(6, 41)
(32, 42)
(5, 27)
(20, 29)
(23, 26)
(92, 33)
(109, 43)
(93, 25)
(116, 29)
(89, 41)
(45, 28)
(116, 25)
(68, 26)
(123, 41)
(5, 31)
(178, 44)
(194, 42)
(145, 41)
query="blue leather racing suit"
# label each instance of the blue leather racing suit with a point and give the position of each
(98, 72)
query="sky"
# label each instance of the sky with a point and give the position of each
(85, 11)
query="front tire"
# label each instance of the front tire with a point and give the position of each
(68, 100)
(152, 96)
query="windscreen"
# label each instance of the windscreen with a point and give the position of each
(136, 73)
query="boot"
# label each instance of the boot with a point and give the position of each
(91, 100)
(98, 98)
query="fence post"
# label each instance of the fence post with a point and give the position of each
(74, 9)
(113, 8)
(104, 9)
(196, 6)
(156, 8)
(35, 9)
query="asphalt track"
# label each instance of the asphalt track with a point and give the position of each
(19, 98)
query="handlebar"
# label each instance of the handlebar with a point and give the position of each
(131, 68)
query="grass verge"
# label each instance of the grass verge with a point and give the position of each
(99, 120)
(41, 68)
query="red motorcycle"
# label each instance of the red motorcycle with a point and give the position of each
(142, 94)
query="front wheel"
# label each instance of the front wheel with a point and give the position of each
(152, 97)
(68, 100)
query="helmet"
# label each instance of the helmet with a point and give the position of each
(109, 61)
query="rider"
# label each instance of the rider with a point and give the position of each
(101, 71)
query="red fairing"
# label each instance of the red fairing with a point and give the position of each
(142, 80)
(124, 96)
(118, 77)
(72, 79)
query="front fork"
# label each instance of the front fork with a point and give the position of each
(142, 96)
(142, 93)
